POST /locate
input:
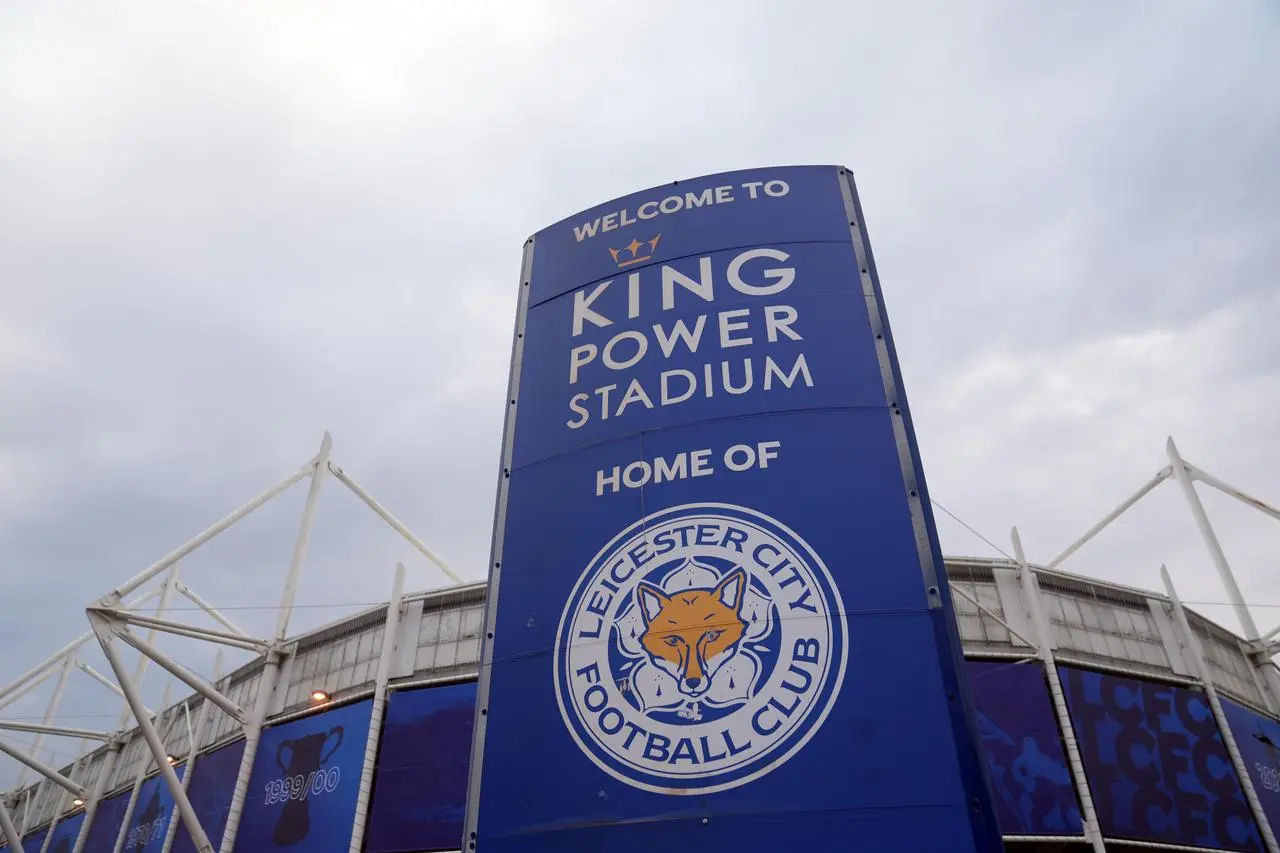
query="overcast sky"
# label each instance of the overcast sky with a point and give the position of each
(226, 228)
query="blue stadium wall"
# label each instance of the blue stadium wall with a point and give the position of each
(1154, 756)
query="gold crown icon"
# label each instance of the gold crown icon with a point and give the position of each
(630, 253)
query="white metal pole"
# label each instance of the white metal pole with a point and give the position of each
(168, 626)
(1224, 727)
(112, 598)
(10, 831)
(138, 779)
(91, 804)
(1228, 489)
(190, 594)
(176, 669)
(140, 672)
(49, 712)
(52, 709)
(63, 731)
(194, 734)
(44, 667)
(25, 689)
(107, 640)
(43, 769)
(271, 666)
(1211, 541)
(105, 682)
(62, 800)
(383, 675)
(1110, 517)
(1031, 590)
(395, 523)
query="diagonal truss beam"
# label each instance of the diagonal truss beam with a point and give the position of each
(1227, 489)
(43, 769)
(1183, 475)
(112, 598)
(395, 523)
(107, 633)
(25, 689)
(10, 831)
(104, 681)
(60, 731)
(108, 625)
(190, 595)
(181, 629)
(1165, 473)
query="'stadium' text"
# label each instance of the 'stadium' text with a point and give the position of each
(755, 272)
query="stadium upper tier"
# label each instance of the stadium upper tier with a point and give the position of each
(1094, 625)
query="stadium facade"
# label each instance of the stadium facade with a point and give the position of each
(717, 613)
(1138, 724)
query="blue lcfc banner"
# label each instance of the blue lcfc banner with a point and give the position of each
(420, 788)
(1156, 763)
(151, 815)
(210, 794)
(1258, 739)
(66, 833)
(718, 613)
(305, 782)
(106, 824)
(1030, 778)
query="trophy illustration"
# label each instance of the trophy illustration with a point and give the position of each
(306, 756)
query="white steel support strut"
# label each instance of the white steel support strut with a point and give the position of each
(1196, 654)
(395, 523)
(59, 731)
(10, 831)
(50, 712)
(176, 669)
(1031, 591)
(180, 629)
(190, 595)
(99, 787)
(194, 735)
(143, 767)
(103, 680)
(383, 675)
(140, 672)
(271, 668)
(43, 769)
(1227, 489)
(61, 806)
(1124, 507)
(25, 689)
(106, 639)
(112, 598)
(1211, 542)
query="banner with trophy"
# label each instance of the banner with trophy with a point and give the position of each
(306, 777)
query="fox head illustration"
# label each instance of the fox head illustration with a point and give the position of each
(690, 634)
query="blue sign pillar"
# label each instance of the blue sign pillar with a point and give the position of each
(718, 613)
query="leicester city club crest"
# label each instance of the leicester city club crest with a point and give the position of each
(700, 649)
